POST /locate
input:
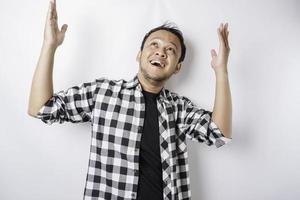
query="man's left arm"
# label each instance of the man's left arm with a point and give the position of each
(222, 111)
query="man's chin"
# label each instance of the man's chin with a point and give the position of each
(154, 77)
(160, 78)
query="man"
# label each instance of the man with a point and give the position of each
(139, 128)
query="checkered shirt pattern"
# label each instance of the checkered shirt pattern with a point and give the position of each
(116, 110)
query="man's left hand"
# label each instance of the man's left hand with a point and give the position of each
(219, 61)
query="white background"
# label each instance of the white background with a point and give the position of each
(261, 162)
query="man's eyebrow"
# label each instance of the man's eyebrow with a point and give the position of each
(160, 39)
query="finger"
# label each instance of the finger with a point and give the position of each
(213, 53)
(223, 33)
(54, 8)
(54, 3)
(220, 36)
(51, 19)
(64, 28)
(49, 14)
(221, 39)
(226, 35)
(55, 14)
(226, 32)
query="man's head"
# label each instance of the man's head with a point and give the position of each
(161, 53)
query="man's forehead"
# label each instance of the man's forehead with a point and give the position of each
(164, 35)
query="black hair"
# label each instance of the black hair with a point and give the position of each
(173, 29)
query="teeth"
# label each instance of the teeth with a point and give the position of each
(157, 62)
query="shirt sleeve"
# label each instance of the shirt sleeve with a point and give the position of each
(74, 104)
(197, 125)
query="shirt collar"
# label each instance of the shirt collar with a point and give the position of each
(135, 83)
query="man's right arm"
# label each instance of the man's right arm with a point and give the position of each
(42, 82)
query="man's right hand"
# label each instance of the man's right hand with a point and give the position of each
(42, 82)
(53, 37)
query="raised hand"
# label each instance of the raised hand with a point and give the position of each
(219, 61)
(53, 37)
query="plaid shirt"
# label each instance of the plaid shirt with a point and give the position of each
(116, 110)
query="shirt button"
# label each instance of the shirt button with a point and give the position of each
(133, 195)
(140, 128)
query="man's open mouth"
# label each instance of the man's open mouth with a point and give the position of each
(157, 63)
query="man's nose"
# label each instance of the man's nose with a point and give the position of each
(161, 53)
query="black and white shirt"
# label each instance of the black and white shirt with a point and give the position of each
(116, 110)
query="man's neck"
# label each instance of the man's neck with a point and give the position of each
(149, 85)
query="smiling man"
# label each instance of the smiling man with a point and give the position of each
(139, 128)
(159, 58)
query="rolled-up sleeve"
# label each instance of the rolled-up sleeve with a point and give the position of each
(74, 104)
(197, 125)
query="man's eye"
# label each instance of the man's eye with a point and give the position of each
(171, 49)
(154, 43)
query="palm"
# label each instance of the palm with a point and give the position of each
(52, 35)
(219, 61)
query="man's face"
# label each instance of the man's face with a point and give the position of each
(159, 58)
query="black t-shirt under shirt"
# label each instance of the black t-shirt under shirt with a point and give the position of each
(150, 169)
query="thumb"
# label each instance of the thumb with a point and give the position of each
(64, 28)
(213, 53)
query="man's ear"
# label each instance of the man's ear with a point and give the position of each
(138, 56)
(178, 67)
